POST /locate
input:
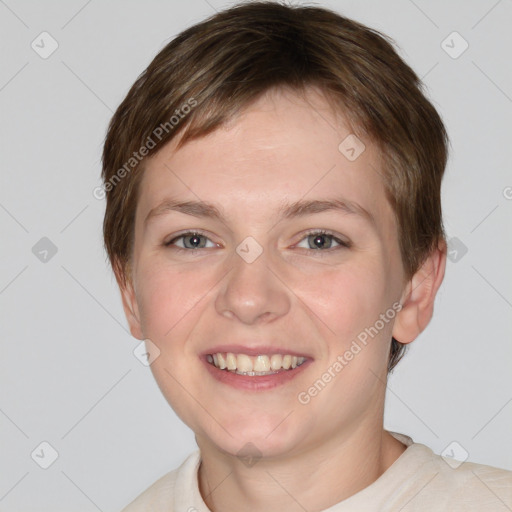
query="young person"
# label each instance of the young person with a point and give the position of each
(274, 223)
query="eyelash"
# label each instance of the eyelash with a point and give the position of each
(320, 232)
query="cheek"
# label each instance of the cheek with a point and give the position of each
(349, 298)
(167, 296)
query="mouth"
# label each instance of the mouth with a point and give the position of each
(256, 371)
(260, 365)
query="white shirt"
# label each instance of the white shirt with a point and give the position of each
(418, 481)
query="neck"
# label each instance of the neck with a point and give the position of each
(313, 479)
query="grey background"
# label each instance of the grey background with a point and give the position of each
(68, 375)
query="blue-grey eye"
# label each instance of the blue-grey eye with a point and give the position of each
(190, 240)
(321, 240)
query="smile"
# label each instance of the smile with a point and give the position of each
(257, 372)
(243, 364)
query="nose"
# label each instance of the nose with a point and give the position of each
(253, 292)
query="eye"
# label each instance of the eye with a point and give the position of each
(315, 240)
(321, 239)
(190, 240)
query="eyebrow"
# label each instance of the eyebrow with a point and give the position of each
(301, 208)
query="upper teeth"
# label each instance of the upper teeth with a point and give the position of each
(261, 363)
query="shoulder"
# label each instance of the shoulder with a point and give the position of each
(421, 480)
(478, 487)
(161, 495)
(468, 486)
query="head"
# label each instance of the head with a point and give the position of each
(248, 115)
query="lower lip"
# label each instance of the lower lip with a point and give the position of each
(256, 383)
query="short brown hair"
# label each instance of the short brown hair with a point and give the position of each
(224, 63)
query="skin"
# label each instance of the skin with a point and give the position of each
(314, 301)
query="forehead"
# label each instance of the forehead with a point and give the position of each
(281, 149)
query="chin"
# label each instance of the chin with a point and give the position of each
(255, 439)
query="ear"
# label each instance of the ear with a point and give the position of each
(131, 309)
(419, 295)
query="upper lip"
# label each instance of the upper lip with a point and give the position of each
(253, 350)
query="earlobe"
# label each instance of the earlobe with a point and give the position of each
(419, 296)
(130, 306)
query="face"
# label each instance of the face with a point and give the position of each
(244, 270)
